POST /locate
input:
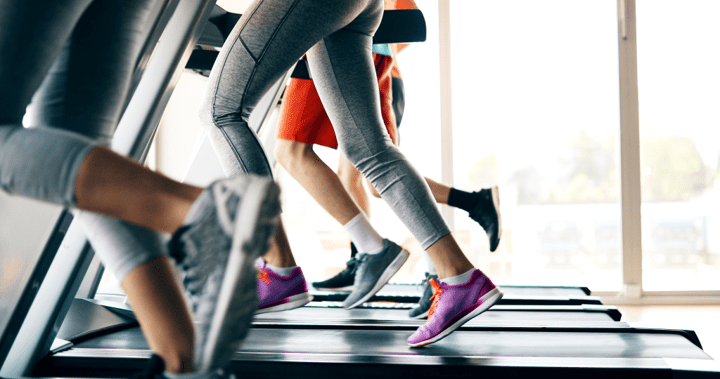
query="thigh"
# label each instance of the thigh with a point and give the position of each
(32, 34)
(270, 37)
(344, 74)
(86, 88)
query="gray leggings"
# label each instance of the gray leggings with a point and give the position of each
(74, 59)
(337, 36)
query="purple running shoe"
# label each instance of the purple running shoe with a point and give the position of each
(281, 293)
(453, 306)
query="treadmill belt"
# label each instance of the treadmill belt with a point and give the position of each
(403, 299)
(496, 315)
(387, 342)
(299, 352)
(512, 291)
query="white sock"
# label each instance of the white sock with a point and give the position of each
(363, 235)
(460, 279)
(431, 266)
(282, 271)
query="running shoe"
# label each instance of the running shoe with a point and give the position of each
(453, 306)
(340, 282)
(227, 228)
(374, 271)
(487, 213)
(421, 310)
(155, 369)
(281, 293)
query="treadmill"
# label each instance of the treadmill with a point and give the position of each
(325, 341)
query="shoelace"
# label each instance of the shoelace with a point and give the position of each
(263, 275)
(435, 297)
(354, 262)
(222, 195)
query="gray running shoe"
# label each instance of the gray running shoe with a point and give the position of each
(227, 228)
(423, 307)
(374, 271)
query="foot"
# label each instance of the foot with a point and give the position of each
(374, 271)
(227, 228)
(155, 369)
(281, 293)
(487, 213)
(340, 282)
(453, 306)
(421, 310)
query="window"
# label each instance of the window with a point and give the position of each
(679, 93)
(536, 111)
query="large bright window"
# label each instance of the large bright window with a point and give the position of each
(535, 99)
(536, 111)
(679, 93)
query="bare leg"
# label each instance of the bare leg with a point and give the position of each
(352, 180)
(440, 191)
(280, 254)
(148, 199)
(317, 178)
(162, 312)
(449, 260)
(445, 253)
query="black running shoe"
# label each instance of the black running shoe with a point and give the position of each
(423, 307)
(340, 282)
(487, 213)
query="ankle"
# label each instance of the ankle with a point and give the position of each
(280, 261)
(458, 279)
(282, 271)
(177, 362)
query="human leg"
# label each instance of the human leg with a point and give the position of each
(345, 89)
(341, 61)
(66, 157)
(59, 176)
(482, 206)
(83, 92)
(352, 180)
(163, 314)
(324, 186)
(252, 59)
(301, 162)
(280, 253)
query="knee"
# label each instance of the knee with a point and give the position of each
(213, 113)
(205, 114)
(291, 154)
(347, 173)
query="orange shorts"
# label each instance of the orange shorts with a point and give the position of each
(303, 118)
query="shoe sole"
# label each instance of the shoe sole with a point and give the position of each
(338, 289)
(391, 270)
(421, 315)
(489, 300)
(295, 301)
(496, 204)
(257, 217)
